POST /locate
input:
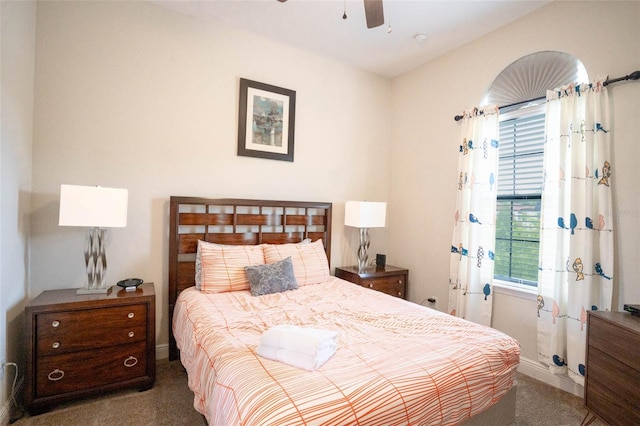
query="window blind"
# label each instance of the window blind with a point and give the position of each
(520, 180)
(521, 155)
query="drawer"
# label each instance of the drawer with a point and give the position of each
(609, 406)
(76, 371)
(70, 331)
(393, 285)
(614, 340)
(617, 379)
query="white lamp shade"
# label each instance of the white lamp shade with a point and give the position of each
(365, 214)
(93, 206)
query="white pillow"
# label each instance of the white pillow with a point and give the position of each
(220, 267)
(310, 265)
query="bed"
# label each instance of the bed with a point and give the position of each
(396, 363)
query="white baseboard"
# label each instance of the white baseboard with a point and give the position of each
(540, 372)
(5, 411)
(162, 351)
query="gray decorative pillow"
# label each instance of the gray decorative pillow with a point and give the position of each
(271, 278)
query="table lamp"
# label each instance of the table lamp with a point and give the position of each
(95, 208)
(364, 215)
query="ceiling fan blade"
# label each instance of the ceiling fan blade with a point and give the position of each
(373, 12)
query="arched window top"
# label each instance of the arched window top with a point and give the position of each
(531, 76)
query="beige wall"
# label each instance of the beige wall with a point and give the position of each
(132, 95)
(604, 36)
(17, 28)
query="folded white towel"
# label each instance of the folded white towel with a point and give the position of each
(297, 359)
(305, 340)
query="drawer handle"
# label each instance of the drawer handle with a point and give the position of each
(55, 345)
(131, 315)
(131, 361)
(56, 375)
(131, 334)
(55, 324)
(399, 281)
(399, 294)
(370, 285)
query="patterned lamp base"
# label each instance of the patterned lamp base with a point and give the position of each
(363, 250)
(95, 259)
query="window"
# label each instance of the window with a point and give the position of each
(520, 168)
(520, 180)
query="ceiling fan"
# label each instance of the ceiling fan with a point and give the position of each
(372, 10)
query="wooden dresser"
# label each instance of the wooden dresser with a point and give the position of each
(612, 382)
(388, 279)
(78, 345)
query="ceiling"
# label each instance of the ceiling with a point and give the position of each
(318, 26)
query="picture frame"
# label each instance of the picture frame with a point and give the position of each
(266, 121)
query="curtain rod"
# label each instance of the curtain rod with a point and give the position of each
(633, 76)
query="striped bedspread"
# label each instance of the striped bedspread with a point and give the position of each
(397, 363)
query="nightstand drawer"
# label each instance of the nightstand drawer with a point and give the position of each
(605, 373)
(609, 406)
(615, 341)
(393, 286)
(389, 279)
(75, 371)
(62, 332)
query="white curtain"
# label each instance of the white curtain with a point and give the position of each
(473, 243)
(576, 241)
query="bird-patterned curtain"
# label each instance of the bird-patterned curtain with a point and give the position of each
(473, 243)
(576, 242)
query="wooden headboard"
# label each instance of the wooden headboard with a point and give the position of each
(236, 222)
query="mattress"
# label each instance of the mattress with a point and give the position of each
(397, 363)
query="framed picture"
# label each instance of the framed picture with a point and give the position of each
(266, 121)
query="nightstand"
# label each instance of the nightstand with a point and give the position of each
(389, 279)
(612, 368)
(80, 345)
